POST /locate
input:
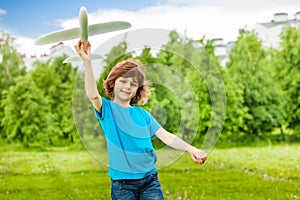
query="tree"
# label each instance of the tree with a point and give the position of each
(56, 80)
(199, 86)
(11, 67)
(261, 99)
(286, 68)
(12, 64)
(27, 115)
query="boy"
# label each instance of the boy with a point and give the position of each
(129, 129)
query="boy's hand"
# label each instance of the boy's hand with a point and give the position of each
(83, 50)
(198, 156)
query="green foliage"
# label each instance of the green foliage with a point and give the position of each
(261, 87)
(38, 108)
(26, 114)
(258, 109)
(195, 80)
(286, 70)
(57, 82)
(11, 67)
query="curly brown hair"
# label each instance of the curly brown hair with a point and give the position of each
(128, 68)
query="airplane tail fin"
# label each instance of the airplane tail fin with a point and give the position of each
(76, 58)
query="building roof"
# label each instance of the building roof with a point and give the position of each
(281, 19)
(274, 23)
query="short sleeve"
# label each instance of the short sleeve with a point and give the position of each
(154, 126)
(102, 115)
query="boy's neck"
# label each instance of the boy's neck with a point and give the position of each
(122, 103)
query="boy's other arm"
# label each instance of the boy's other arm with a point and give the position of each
(84, 51)
(175, 142)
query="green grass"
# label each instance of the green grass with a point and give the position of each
(271, 172)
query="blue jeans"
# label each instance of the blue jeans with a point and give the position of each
(147, 188)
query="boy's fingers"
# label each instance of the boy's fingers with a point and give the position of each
(199, 157)
(76, 47)
(203, 155)
(199, 161)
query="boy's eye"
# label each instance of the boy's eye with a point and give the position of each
(134, 84)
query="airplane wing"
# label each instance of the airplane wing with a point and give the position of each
(74, 33)
(58, 36)
(100, 28)
(76, 58)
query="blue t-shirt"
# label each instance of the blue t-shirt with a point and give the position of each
(129, 132)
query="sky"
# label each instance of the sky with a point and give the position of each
(26, 20)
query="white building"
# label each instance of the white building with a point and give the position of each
(55, 51)
(222, 50)
(60, 49)
(269, 32)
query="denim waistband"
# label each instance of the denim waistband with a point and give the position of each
(150, 176)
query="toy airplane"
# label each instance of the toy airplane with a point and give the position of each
(83, 31)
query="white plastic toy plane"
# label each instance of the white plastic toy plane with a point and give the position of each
(83, 31)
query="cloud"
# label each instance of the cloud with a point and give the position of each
(214, 19)
(25, 45)
(194, 20)
(250, 6)
(2, 12)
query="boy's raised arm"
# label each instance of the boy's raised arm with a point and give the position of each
(84, 51)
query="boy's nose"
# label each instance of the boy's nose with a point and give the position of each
(127, 85)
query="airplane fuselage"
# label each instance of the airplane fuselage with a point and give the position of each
(83, 22)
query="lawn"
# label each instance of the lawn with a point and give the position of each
(271, 172)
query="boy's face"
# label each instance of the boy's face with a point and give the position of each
(125, 88)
